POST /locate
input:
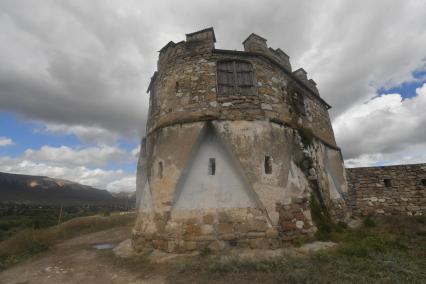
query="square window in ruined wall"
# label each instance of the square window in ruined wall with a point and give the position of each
(387, 182)
(423, 182)
(235, 77)
(268, 165)
(212, 166)
(160, 169)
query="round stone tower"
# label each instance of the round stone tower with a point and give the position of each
(237, 148)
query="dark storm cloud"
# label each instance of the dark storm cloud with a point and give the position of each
(82, 65)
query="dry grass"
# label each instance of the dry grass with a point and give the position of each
(392, 251)
(29, 242)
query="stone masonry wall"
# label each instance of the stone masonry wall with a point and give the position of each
(390, 190)
(272, 150)
(184, 89)
(222, 229)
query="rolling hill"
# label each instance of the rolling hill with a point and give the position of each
(19, 188)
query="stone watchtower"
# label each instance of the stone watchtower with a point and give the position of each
(237, 147)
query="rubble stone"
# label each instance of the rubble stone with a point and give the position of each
(402, 194)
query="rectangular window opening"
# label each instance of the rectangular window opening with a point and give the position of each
(212, 166)
(235, 77)
(160, 169)
(388, 182)
(268, 165)
(424, 181)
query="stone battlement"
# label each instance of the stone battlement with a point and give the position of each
(185, 87)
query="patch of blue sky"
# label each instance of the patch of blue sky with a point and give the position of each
(24, 135)
(407, 89)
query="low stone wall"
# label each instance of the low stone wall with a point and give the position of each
(390, 190)
(222, 229)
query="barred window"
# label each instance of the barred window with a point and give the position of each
(235, 77)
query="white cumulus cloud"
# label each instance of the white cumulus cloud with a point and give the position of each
(85, 165)
(4, 141)
(86, 156)
(97, 177)
(82, 67)
(385, 130)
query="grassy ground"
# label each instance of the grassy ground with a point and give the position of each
(385, 250)
(16, 217)
(28, 242)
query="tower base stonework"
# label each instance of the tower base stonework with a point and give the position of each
(237, 146)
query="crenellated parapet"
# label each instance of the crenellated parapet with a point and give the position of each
(237, 148)
(187, 88)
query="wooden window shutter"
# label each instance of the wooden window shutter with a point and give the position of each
(235, 77)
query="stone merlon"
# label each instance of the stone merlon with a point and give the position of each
(198, 60)
(205, 34)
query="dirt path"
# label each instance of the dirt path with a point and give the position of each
(77, 261)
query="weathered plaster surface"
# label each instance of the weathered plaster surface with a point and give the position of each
(198, 189)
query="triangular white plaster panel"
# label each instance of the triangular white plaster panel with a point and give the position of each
(200, 190)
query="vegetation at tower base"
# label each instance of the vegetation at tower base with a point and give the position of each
(236, 145)
(307, 136)
(391, 252)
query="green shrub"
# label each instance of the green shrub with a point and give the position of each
(24, 244)
(322, 221)
(342, 225)
(366, 244)
(205, 251)
(28, 242)
(369, 222)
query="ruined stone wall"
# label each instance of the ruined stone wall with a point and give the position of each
(390, 190)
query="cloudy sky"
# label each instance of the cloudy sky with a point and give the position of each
(73, 75)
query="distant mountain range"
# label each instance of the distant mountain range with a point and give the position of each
(45, 190)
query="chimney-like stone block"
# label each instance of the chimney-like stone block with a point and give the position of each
(203, 40)
(301, 74)
(255, 43)
(313, 86)
(282, 58)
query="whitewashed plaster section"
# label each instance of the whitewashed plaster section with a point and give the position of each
(336, 174)
(227, 188)
(171, 146)
(250, 142)
(146, 199)
(142, 173)
(297, 184)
